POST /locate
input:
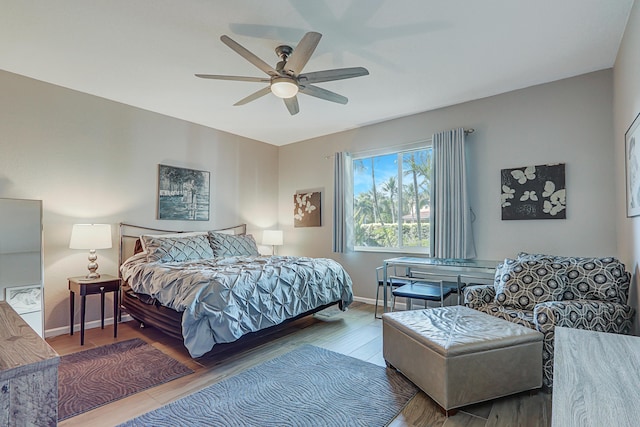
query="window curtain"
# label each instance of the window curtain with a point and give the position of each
(451, 232)
(343, 203)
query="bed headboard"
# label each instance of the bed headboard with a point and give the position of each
(130, 234)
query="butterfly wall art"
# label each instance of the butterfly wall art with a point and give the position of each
(534, 192)
(306, 209)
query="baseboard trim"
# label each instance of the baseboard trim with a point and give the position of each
(371, 301)
(451, 300)
(50, 333)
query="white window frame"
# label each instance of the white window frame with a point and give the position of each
(399, 150)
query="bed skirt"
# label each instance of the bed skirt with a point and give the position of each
(149, 312)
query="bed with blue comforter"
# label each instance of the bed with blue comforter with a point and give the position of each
(224, 289)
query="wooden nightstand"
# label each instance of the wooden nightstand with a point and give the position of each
(84, 287)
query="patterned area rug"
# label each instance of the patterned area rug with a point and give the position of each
(92, 378)
(308, 386)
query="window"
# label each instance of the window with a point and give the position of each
(391, 197)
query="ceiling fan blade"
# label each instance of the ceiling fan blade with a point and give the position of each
(234, 78)
(240, 50)
(262, 92)
(302, 53)
(330, 75)
(321, 93)
(292, 105)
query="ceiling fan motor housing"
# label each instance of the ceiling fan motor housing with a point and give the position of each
(283, 52)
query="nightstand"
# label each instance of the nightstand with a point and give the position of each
(84, 287)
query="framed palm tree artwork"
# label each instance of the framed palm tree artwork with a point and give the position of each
(183, 194)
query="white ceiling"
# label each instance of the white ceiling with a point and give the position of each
(421, 54)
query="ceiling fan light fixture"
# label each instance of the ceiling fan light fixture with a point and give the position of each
(287, 79)
(283, 87)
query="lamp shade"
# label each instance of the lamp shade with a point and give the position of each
(90, 236)
(272, 237)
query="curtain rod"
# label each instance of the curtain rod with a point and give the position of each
(358, 153)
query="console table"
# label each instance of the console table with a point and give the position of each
(595, 379)
(28, 374)
(456, 268)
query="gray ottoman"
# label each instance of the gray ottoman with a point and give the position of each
(459, 356)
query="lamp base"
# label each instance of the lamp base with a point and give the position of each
(93, 265)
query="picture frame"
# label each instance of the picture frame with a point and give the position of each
(24, 299)
(632, 167)
(533, 192)
(307, 209)
(183, 194)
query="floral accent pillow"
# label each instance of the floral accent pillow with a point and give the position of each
(523, 284)
(226, 245)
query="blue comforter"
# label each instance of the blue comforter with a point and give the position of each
(223, 299)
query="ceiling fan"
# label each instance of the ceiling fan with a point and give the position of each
(286, 80)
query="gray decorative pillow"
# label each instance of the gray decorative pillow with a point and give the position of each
(225, 245)
(523, 284)
(177, 248)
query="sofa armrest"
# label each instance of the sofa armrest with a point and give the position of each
(591, 315)
(476, 296)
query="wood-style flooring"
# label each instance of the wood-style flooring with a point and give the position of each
(355, 333)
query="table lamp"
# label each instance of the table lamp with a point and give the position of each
(92, 237)
(273, 238)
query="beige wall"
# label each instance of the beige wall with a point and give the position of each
(568, 121)
(92, 160)
(626, 107)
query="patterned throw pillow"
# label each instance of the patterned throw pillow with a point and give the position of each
(498, 275)
(177, 247)
(523, 284)
(591, 278)
(225, 245)
(602, 279)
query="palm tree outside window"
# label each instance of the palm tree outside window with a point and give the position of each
(391, 197)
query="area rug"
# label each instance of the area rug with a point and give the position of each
(95, 377)
(308, 386)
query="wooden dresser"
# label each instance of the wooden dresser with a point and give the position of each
(596, 379)
(28, 374)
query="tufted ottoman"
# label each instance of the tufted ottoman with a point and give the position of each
(459, 356)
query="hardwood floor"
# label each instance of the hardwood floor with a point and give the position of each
(355, 333)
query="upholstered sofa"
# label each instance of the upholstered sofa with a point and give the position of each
(544, 291)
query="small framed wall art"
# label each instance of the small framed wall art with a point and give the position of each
(306, 209)
(632, 167)
(183, 193)
(534, 192)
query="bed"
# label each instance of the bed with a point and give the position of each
(213, 287)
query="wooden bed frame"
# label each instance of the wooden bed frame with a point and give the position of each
(147, 310)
